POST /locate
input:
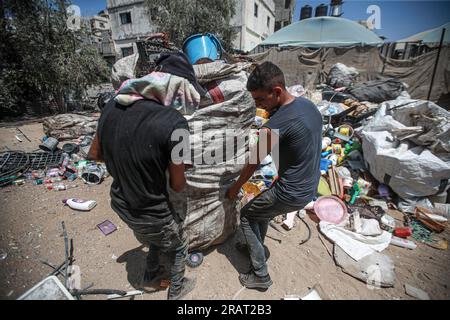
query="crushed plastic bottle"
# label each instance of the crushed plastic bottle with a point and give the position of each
(53, 173)
(66, 160)
(399, 242)
(38, 174)
(61, 187)
(53, 180)
(19, 182)
(81, 205)
(72, 177)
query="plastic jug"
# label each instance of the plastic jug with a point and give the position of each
(399, 242)
(80, 205)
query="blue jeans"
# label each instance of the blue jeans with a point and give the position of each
(255, 218)
(171, 240)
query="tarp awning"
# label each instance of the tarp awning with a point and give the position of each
(323, 32)
(432, 36)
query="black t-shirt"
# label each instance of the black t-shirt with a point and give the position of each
(136, 145)
(300, 143)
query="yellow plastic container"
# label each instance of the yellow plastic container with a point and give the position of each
(262, 113)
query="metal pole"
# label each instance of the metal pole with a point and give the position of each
(436, 64)
(66, 247)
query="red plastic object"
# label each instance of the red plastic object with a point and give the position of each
(403, 232)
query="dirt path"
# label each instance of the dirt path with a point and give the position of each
(30, 231)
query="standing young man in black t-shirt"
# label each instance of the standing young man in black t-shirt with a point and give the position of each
(136, 143)
(294, 137)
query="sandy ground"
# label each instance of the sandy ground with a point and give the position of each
(30, 231)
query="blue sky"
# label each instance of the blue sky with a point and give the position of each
(399, 19)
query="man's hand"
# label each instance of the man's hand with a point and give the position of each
(264, 143)
(232, 192)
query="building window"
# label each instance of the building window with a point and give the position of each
(268, 22)
(256, 10)
(287, 4)
(277, 25)
(102, 25)
(127, 52)
(125, 17)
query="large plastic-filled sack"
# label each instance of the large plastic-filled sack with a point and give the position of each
(70, 126)
(341, 76)
(406, 145)
(378, 91)
(210, 218)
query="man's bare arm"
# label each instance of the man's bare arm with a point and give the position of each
(95, 152)
(263, 149)
(177, 177)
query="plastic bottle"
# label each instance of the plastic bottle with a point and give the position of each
(355, 195)
(38, 174)
(348, 147)
(399, 242)
(66, 160)
(326, 153)
(81, 205)
(28, 176)
(334, 159)
(53, 180)
(19, 182)
(326, 142)
(60, 187)
(52, 173)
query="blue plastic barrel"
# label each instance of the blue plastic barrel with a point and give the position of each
(201, 46)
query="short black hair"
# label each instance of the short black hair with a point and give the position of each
(266, 76)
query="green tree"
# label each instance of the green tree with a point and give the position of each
(41, 59)
(182, 18)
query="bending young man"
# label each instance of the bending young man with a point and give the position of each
(294, 136)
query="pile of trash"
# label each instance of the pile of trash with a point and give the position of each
(380, 150)
(56, 169)
(70, 126)
(383, 155)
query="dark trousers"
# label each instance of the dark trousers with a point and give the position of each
(170, 240)
(255, 218)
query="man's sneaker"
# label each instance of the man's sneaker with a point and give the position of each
(187, 286)
(243, 248)
(152, 280)
(252, 281)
